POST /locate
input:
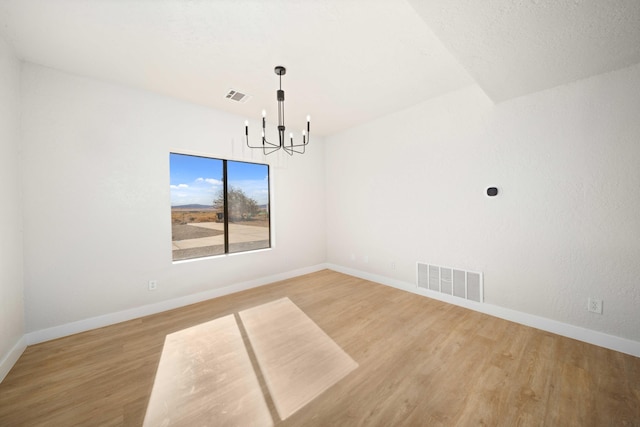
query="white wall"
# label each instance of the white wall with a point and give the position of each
(11, 280)
(411, 187)
(97, 206)
(407, 187)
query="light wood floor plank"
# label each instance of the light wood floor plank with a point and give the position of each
(205, 374)
(421, 363)
(297, 359)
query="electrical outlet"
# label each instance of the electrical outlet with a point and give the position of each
(594, 305)
(393, 266)
(153, 285)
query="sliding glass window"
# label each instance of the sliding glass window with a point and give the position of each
(218, 206)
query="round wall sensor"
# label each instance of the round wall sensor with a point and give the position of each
(492, 191)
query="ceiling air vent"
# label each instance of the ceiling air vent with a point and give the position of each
(234, 95)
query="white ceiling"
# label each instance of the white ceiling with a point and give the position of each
(348, 61)
(516, 47)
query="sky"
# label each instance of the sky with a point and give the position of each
(198, 180)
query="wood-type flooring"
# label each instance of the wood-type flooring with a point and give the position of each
(422, 362)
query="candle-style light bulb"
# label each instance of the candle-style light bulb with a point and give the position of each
(308, 118)
(246, 123)
(264, 113)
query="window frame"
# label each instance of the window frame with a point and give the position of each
(225, 193)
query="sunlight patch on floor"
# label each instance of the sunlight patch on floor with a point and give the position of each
(298, 359)
(206, 375)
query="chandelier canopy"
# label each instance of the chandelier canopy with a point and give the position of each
(288, 146)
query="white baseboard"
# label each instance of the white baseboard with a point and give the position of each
(622, 345)
(12, 357)
(600, 339)
(134, 313)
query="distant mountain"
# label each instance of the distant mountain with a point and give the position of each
(192, 206)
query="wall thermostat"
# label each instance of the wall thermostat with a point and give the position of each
(492, 191)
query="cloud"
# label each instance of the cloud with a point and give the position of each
(211, 181)
(179, 186)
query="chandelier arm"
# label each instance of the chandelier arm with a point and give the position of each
(264, 143)
(266, 147)
(305, 142)
(290, 151)
(267, 151)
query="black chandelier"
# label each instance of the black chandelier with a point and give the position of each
(269, 147)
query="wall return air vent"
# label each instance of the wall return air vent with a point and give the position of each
(451, 281)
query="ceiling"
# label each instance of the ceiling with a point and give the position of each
(348, 61)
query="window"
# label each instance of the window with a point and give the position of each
(217, 206)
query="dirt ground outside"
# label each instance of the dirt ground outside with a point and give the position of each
(183, 217)
(181, 230)
(205, 251)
